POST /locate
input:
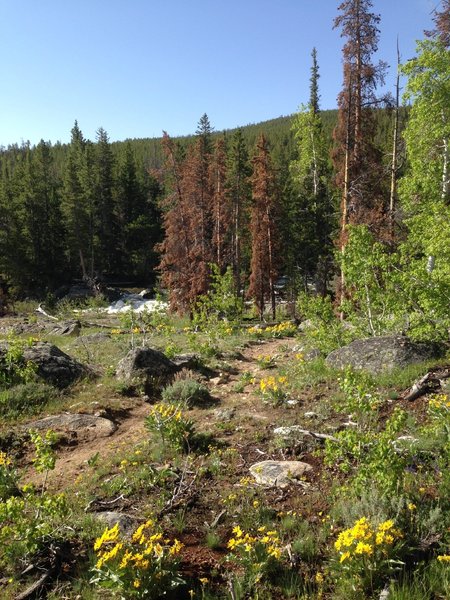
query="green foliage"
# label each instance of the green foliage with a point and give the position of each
(168, 421)
(186, 392)
(361, 398)
(14, 368)
(45, 458)
(8, 477)
(25, 399)
(325, 330)
(220, 309)
(28, 522)
(144, 566)
(365, 454)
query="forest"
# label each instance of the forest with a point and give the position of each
(273, 421)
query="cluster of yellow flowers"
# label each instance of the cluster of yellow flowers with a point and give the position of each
(439, 402)
(247, 543)
(272, 384)
(364, 539)
(444, 558)
(265, 361)
(146, 546)
(166, 412)
(282, 329)
(5, 461)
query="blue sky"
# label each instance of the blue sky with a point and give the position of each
(136, 67)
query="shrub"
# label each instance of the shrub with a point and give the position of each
(186, 392)
(172, 426)
(143, 567)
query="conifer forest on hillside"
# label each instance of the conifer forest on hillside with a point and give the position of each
(273, 421)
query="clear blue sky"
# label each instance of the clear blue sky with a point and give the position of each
(136, 67)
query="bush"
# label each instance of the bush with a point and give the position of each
(187, 392)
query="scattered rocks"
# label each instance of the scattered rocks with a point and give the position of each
(379, 354)
(281, 473)
(80, 426)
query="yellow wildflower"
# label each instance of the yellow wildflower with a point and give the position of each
(444, 558)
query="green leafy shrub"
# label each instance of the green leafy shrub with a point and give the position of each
(8, 477)
(168, 421)
(14, 368)
(186, 392)
(144, 567)
(368, 554)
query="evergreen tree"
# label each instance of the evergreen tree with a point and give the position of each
(311, 208)
(108, 256)
(75, 211)
(238, 192)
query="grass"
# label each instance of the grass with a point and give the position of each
(202, 496)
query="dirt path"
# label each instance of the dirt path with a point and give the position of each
(73, 459)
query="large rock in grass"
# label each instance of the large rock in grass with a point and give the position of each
(381, 354)
(53, 365)
(76, 426)
(146, 366)
(279, 473)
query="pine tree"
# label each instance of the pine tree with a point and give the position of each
(175, 266)
(263, 229)
(75, 211)
(108, 257)
(311, 208)
(238, 192)
(357, 161)
(441, 20)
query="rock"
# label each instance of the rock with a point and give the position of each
(67, 328)
(299, 436)
(127, 523)
(225, 414)
(307, 354)
(311, 415)
(279, 473)
(186, 361)
(83, 427)
(147, 367)
(380, 354)
(54, 365)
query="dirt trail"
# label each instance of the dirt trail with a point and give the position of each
(73, 459)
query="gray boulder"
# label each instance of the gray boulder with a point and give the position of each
(80, 426)
(279, 473)
(380, 354)
(127, 523)
(145, 366)
(53, 365)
